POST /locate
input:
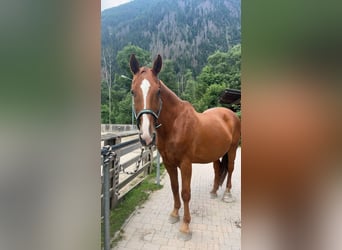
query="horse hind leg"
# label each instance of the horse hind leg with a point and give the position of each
(216, 166)
(223, 169)
(227, 197)
(220, 170)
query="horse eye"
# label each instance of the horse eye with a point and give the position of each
(158, 93)
(132, 92)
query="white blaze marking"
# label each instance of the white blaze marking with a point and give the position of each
(145, 87)
(145, 128)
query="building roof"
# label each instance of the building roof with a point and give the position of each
(230, 96)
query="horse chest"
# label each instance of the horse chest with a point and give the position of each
(173, 152)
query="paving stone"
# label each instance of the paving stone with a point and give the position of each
(150, 246)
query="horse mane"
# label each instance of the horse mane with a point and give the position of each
(175, 106)
(168, 94)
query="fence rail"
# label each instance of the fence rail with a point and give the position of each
(125, 157)
(105, 128)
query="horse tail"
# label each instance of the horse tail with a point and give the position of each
(223, 168)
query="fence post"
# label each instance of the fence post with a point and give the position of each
(106, 216)
(158, 168)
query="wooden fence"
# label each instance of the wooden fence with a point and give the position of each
(126, 150)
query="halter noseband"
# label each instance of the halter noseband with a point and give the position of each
(149, 112)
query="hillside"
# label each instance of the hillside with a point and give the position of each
(185, 31)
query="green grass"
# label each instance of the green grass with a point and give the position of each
(133, 199)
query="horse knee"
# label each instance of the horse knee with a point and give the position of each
(186, 195)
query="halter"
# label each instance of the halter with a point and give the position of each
(149, 112)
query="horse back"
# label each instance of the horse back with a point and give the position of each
(217, 131)
(221, 119)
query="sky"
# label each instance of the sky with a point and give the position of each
(105, 4)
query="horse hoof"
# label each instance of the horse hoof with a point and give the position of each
(213, 195)
(184, 236)
(228, 197)
(173, 219)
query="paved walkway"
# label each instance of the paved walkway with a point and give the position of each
(215, 225)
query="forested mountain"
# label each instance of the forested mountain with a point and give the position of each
(184, 31)
(199, 41)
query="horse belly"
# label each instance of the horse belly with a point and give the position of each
(211, 146)
(214, 138)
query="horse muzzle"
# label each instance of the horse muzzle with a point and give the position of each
(147, 140)
(146, 122)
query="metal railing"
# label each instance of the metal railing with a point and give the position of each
(125, 161)
(122, 163)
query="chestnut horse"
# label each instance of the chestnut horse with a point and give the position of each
(183, 136)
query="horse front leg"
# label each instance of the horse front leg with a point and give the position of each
(174, 216)
(186, 171)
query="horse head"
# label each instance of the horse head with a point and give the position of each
(145, 90)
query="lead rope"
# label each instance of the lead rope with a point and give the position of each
(137, 163)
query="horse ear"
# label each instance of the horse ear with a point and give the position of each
(157, 65)
(134, 64)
